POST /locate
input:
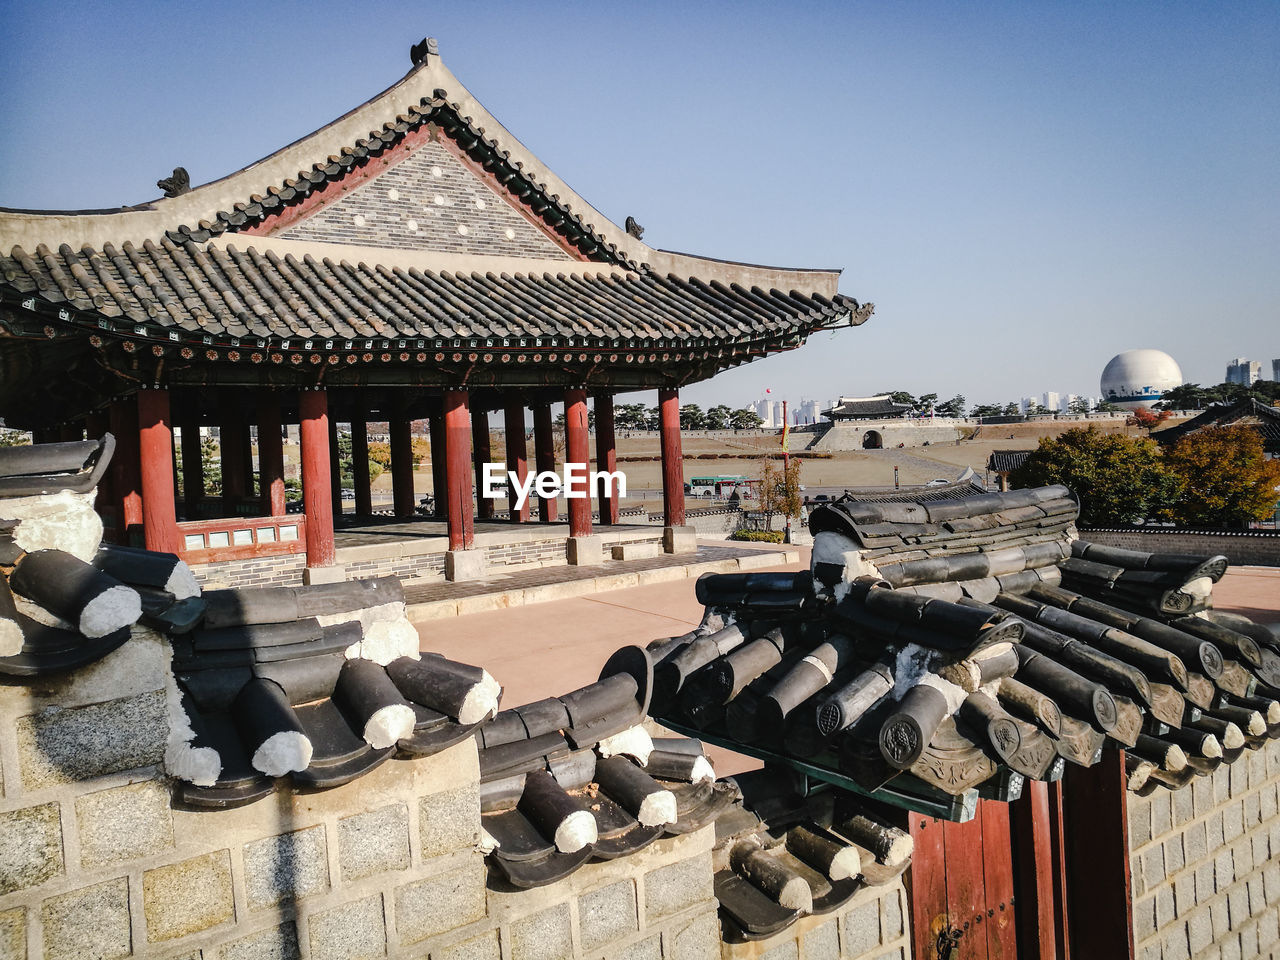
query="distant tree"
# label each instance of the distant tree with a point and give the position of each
(718, 417)
(1227, 478)
(744, 419)
(924, 403)
(780, 489)
(1106, 406)
(380, 453)
(987, 410)
(1078, 405)
(1146, 419)
(1036, 410)
(653, 418)
(898, 396)
(951, 408)
(1011, 409)
(211, 467)
(1188, 396)
(1119, 480)
(14, 438)
(692, 417)
(630, 416)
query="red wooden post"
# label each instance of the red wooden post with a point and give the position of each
(606, 457)
(481, 452)
(155, 449)
(544, 455)
(126, 466)
(402, 496)
(577, 451)
(192, 462)
(1099, 895)
(1033, 860)
(270, 454)
(457, 442)
(672, 457)
(517, 453)
(317, 493)
(360, 462)
(439, 483)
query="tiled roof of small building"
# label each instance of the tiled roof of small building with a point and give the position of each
(1249, 411)
(867, 407)
(1003, 461)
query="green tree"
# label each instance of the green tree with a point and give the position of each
(987, 410)
(718, 417)
(14, 438)
(1119, 479)
(899, 396)
(1188, 396)
(211, 467)
(1078, 405)
(1106, 406)
(630, 416)
(951, 408)
(1227, 478)
(744, 419)
(692, 417)
(924, 403)
(1011, 409)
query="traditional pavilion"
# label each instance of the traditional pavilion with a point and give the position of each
(411, 260)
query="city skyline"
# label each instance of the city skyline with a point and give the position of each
(1023, 190)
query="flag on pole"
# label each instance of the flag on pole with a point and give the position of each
(786, 435)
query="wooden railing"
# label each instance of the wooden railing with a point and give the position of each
(241, 538)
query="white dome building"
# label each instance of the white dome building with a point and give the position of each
(1139, 378)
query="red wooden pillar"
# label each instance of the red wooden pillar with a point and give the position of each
(606, 458)
(457, 443)
(270, 454)
(544, 455)
(517, 453)
(577, 450)
(439, 486)
(672, 457)
(360, 462)
(1099, 896)
(192, 462)
(402, 496)
(155, 449)
(1036, 823)
(317, 490)
(126, 467)
(481, 452)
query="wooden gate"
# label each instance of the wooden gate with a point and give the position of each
(963, 904)
(1043, 878)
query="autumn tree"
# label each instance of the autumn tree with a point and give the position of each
(780, 489)
(1227, 478)
(1148, 420)
(1119, 480)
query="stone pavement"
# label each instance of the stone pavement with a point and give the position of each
(430, 601)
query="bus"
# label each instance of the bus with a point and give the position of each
(722, 487)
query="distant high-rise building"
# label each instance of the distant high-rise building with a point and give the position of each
(1051, 400)
(1275, 369)
(810, 410)
(1244, 372)
(1026, 403)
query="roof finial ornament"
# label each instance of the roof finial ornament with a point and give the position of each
(176, 185)
(634, 228)
(426, 47)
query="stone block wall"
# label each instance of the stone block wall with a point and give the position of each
(98, 860)
(1205, 862)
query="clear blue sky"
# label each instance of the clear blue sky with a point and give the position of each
(1024, 189)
